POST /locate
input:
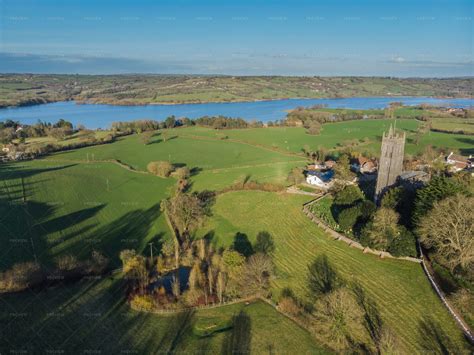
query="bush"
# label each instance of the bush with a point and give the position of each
(160, 168)
(67, 263)
(21, 276)
(404, 244)
(348, 217)
(182, 173)
(348, 196)
(264, 243)
(288, 306)
(142, 303)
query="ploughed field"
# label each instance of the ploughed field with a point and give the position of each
(76, 201)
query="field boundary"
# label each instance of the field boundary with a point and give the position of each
(350, 242)
(459, 320)
(295, 320)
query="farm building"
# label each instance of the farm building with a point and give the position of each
(319, 178)
(458, 162)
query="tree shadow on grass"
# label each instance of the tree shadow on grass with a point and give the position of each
(372, 320)
(129, 231)
(470, 142)
(10, 171)
(239, 339)
(242, 244)
(434, 339)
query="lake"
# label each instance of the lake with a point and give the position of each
(102, 116)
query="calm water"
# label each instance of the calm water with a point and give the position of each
(102, 116)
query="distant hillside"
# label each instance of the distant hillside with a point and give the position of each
(27, 89)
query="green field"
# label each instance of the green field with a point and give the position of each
(69, 208)
(18, 89)
(92, 316)
(261, 154)
(217, 163)
(400, 288)
(75, 201)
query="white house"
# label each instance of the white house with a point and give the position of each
(320, 179)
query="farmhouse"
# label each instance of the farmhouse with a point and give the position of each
(458, 162)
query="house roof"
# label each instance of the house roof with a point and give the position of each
(458, 158)
(407, 175)
(461, 165)
(323, 176)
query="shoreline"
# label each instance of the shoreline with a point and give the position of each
(93, 102)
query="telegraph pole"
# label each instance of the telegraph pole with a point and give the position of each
(151, 251)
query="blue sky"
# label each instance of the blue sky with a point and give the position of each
(332, 37)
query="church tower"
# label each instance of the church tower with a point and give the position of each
(391, 161)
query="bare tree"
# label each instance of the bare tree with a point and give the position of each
(221, 282)
(257, 273)
(449, 229)
(338, 321)
(186, 213)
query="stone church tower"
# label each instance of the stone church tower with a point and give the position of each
(391, 161)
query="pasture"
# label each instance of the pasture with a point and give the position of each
(403, 294)
(92, 316)
(335, 135)
(76, 201)
(50, 209)
(220, 158)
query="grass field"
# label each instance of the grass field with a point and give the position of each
(400, 289)
(217, 163)
(18, 89)
(262, 154)
(73, 208)
(92, 316)
(293, 139)
(454, 124)
(62, 204)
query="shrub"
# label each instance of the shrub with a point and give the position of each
(160, 168)
(21, 276)
(264, 243)
(404, 244)
(182, 173)
(348, 196)
(67, 263)
(142, 303)
(98, 263)
(289, 306)
(347, 218)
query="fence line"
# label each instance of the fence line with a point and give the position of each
(465, 329)
(457, 318)
(209, 306)
(350, 242)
